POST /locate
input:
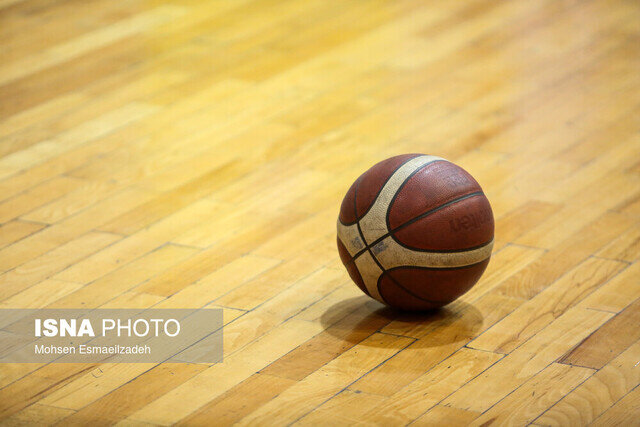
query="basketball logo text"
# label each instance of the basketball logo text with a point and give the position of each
(456, 180)
(470, 221)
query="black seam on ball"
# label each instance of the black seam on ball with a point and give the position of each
(355, 210)
(411, 221)
(355, 199)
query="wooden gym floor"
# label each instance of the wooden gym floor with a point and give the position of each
(194, 153)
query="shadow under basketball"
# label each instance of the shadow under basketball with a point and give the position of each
(355, 319)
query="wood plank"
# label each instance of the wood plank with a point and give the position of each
(345, 409)
(285, 305)
(439, 336)
(608, 341)
(187, 398)
(94, 384)
(13, 231)
(87, 42)
(241, 400)
(135, 394)
(41, 294)
(527, 360)
(40, 268)
(133, 247)
(515, 223)
(304, 396)
(212, 258)
(38, 414)
(70, 203)
(505, 264)
(212, 286)
(16, 206)
(626, 247)
(51, 237)
(129, 276)
(625, 411)
(434, 386)
(326, 346)
(533, 397)
(535, 314)
(48, 149)
(274, 281)
(169, 203)
(568, 254)
(593, 397)
(25, 179)
(440, 414)
(616, 295)
(22, 393)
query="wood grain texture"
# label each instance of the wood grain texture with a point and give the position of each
(593, 397)
(625, 411)
(194, 154)
(527, 402)
(608, 341)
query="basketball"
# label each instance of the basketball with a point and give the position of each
(415, 232)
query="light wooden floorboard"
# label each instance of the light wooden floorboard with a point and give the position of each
(194, 154)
